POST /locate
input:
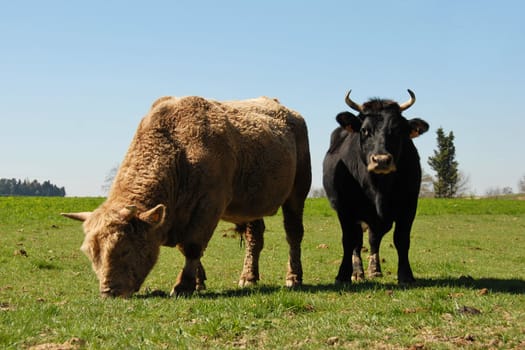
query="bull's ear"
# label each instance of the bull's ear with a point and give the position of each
(155, 216)
(417, 127)
(82, 216)
(348, 121)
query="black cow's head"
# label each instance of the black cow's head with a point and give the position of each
(382, 130)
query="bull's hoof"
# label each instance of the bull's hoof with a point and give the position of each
(358, 276)
(246, 283)
(357, 269)
(408, 280)
(293, 282)
(405, 276)
(374, 274)
(183, 290)
(374, 267)
(185, 285)
(342, 282)
(200, 286)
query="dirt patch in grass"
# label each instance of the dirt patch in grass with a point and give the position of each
(71, 344)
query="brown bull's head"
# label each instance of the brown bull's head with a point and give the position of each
(382, 130)
(123, 245)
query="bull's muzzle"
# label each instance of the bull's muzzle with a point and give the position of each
(109, 293)
(381, 164)
(116, 291)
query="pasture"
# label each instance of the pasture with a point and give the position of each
(468, 257)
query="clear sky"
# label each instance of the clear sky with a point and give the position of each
(77, 77)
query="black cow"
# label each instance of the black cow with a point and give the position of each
(371, 174)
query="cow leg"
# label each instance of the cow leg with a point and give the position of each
(374, 263)
(190, 279)
(293, 225)
(253, 235)
(199, 231)
(186, 282)
(200, 278)
(402, 243)
(352, 235)
(357, 263)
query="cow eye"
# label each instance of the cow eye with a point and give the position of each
(125, 253)
(130, 229)
(365, 132)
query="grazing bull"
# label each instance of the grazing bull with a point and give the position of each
(193, 162)
(371, 174)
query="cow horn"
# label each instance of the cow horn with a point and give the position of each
(82, 216)
(408, 103)
(355, 106)
(128, 212)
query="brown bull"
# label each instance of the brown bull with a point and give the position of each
(192, 163)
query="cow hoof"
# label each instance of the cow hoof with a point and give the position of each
(200, 286)
(376, 274)
(406, 281)
(180, 294)
(293, 282)
(180, 290)
(245, 283)
(358, 277)
(339, 282)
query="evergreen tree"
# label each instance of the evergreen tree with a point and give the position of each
(446, 167)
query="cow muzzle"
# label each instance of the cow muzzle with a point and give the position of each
(381, 164)
(115, 291)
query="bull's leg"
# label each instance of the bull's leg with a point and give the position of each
(357, 263)
(253, 235)
(374, 263)
(200, 278)
(402, 243)
(293, 225)
(186, 282)
(352, 236)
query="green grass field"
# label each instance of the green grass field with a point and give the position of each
(468, 257)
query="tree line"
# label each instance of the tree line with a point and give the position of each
(16, 187)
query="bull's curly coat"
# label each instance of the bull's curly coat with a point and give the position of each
(191, 163)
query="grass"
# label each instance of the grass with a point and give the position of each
(466, 254)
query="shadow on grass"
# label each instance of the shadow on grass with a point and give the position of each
(496, 285)
(499, 285)
(510, 286)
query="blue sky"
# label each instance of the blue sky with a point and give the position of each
(76, 77)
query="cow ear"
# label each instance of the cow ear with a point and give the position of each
(417, 127)
(348, 121)
(155, 216)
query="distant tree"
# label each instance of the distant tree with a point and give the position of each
(317, 193)
(427, 186)
(498, 191)
(521, 184)
(493, 192)
(463, 185)
(444, 164)
(108, 180)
